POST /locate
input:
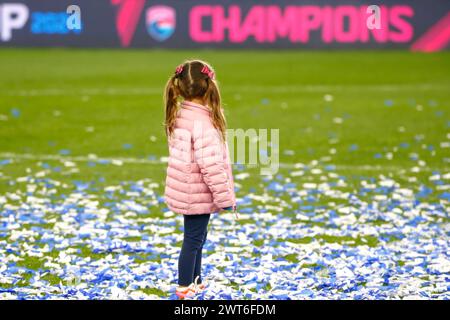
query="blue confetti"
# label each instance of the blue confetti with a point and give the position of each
(15, 112)
(388, 103)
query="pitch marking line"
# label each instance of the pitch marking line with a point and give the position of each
(163, 161)
(255, 89)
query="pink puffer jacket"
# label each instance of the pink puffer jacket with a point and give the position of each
(199, 175)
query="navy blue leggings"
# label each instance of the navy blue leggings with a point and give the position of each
(190, 261)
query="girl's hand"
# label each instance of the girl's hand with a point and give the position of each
(233, 208)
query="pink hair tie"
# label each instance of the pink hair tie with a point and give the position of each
(208, 72)
(179, 70)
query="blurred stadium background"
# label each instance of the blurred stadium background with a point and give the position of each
(358, 209)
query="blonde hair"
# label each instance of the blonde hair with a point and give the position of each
(194, 79)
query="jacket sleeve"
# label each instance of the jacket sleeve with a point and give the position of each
(209, 155)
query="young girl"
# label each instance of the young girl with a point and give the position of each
(199, 177)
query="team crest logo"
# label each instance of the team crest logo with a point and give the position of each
(161, 22)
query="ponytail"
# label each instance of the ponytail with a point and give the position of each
(170, 100)
(213, 100)
(193, 79)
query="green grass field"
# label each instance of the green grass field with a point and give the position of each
(100, 101)
(366, 114)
